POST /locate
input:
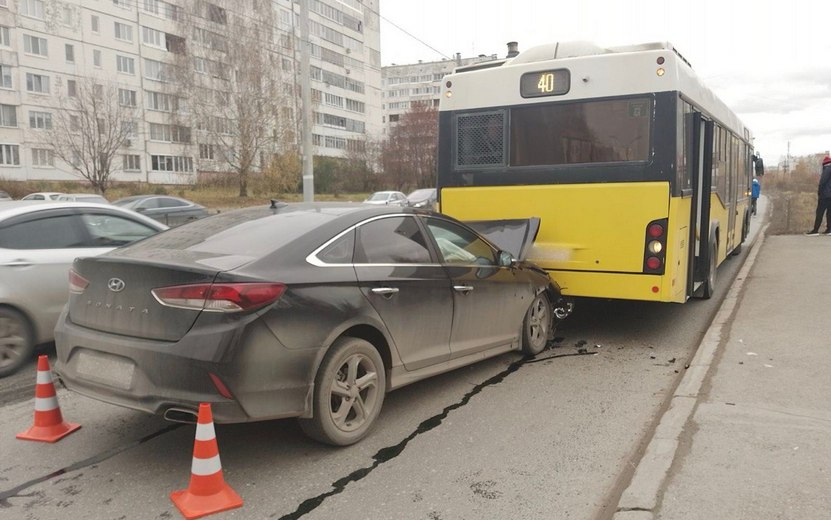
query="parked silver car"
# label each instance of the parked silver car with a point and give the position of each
(82, 197)
(388, 198)
(170, 211)
(43, 195)
(38, 242)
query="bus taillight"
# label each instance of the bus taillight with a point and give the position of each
(655, 245)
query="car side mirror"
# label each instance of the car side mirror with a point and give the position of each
(506, 259)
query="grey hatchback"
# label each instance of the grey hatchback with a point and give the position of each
(296, 310)
(171, 211)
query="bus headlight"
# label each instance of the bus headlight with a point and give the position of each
(660, 71)
(655, 247)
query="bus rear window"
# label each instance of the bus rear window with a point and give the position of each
(583, 132)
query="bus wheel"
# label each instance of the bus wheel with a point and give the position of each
(536, 326)
(709, 286)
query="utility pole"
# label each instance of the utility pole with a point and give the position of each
(306, 98)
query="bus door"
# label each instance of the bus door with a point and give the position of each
(702, 181)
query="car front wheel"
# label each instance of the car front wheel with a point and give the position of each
(536, 326)
(16, 341)
(348, 394)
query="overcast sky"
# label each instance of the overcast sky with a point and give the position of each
(769, 61)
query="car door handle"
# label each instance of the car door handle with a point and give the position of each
(18, 263)
(462, 288)
(385, 291)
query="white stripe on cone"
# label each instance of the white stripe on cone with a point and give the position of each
(205, 432)
(45, 404)
(44, 377)
(205, 467)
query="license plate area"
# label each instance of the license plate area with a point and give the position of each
(107, 369)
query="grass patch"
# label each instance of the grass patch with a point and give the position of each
(794, 199)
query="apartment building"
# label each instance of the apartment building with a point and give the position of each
(175, 66)
(417, 82)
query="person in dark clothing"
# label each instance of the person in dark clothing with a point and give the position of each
(823, 199)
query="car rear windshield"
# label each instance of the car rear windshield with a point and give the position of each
(250, 232)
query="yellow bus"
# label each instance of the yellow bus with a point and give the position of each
(639, 174)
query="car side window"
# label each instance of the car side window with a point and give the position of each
(113, 230)
(57, 232)
(459, 245)
(340, 251)
(392, 240)
(171, 203)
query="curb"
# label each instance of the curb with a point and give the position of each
(640, 498)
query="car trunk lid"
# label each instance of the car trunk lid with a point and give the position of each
(118, 297)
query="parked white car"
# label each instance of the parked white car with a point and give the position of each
(43, 195)
(38, 242)
(389, 198)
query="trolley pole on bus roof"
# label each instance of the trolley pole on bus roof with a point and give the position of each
(306, 98)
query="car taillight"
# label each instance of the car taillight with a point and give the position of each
(220, 297)
(77, 283)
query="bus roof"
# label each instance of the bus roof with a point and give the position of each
(595, 72)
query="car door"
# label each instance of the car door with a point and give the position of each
(489, 301)
(407, 287)
(175, 211)
(36, 252)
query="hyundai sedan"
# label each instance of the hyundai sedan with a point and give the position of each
(309, 310)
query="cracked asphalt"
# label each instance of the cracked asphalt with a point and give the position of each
(550, 437)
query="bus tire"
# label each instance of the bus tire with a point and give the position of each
(709, 286)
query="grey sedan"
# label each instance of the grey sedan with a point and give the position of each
(171, 211)
(296, 310)
(38, 242)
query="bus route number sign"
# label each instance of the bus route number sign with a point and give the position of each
(545, 83)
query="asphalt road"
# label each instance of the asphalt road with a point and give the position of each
(554, 437)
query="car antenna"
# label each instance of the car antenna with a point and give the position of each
(277, 204)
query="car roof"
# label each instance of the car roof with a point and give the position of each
(22, 207)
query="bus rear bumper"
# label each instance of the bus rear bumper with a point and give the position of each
(623, 286)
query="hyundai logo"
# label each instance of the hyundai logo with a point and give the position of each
(115, 284)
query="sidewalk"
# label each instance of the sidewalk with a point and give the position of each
(748, 436)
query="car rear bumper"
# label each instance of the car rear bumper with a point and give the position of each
(264, 379)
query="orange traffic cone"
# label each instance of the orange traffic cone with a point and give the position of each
(49, 424)
(207, 493)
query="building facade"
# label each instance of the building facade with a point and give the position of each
(175, 67)
(417, 83)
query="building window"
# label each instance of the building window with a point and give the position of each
(124, 4)
(123, 32)
(8, 115)
(66, 13)
(161, 102)
(96, 57)
(131, 163)
(207, 151)
(10, 154)
(126, 98)
(42, 157)
(40, 120)
(37, 83)
(71, 88)
(217, 14)
(95, 24)
(70, 53)
(5, 76)
(74, 122)
(33, 8)
(156, 70)
(35, 45)
(125, 64)
(5, 36)
(153, 37)
(169, 133)
(161, 8)
(171, 163)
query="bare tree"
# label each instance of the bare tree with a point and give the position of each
(90, 128)
(408, 156)
(241, 107)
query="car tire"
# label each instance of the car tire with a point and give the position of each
(348, 394)
(17, 342)
(536, 326)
